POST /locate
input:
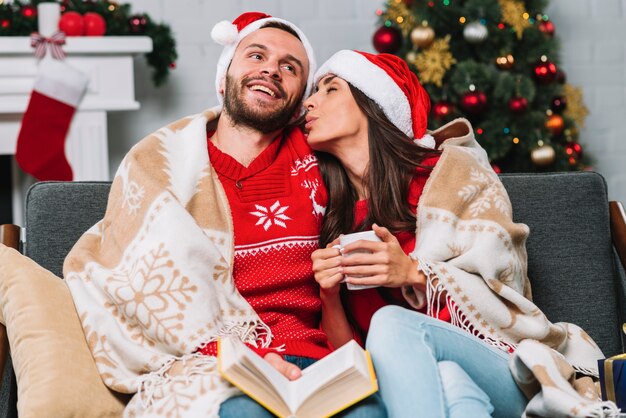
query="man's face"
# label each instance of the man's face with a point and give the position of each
(266, 79)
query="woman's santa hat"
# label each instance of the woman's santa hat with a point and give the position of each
(388, 81)
(230, 34)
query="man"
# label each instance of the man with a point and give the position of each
(208, 232)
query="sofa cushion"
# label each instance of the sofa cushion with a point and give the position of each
(570, 253)
(56, 374)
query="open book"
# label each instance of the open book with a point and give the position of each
(330, 385)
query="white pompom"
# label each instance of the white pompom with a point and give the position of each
(224, 33)
(427, 141)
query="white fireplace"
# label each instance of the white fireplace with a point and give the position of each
(108, 61)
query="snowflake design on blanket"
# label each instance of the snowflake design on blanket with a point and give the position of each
(484, 192)
(142, 295)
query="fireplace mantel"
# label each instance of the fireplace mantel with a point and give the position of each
(108, 61)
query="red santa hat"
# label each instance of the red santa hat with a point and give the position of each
(230, 34)
(388, 81)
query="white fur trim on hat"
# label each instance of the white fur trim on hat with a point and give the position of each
(224, 33)
(427, 141)
(374, 82)
(230, 47)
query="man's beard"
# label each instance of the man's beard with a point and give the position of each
(257, 118)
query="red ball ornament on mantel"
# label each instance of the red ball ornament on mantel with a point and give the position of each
(72, 24)
(547, 27)
(442, 109)
(545, 72)
(518, 105)
(387, 39)
(473, 102)
(95, 25)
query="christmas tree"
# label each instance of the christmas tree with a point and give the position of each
(494, 62)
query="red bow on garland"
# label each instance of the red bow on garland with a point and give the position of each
(41, 43)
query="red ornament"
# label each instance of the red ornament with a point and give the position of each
(72, 24)
(496, 168)
(138, 23)
(555, 124)
(442, 109)
(473, 102)
(29, 11)
(95, 25)
(573, 149)
(547, 27)
(5, 23)
(387, 40)
(518, 105)
(545, 72)
(559, 104)
(172, 65)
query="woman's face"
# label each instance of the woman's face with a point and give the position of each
(334, 120)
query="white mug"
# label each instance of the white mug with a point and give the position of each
(355, 236)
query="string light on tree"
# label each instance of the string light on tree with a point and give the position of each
(442, 109)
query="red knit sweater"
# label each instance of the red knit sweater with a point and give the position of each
(362, 304)
(277, 203)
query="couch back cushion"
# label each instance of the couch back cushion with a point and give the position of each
(57, 214)
(570, 253)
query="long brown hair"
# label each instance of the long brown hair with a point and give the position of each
(393, 160)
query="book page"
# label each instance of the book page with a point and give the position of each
(341, 361)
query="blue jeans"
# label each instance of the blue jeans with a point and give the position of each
(244, 406)
(412, 354)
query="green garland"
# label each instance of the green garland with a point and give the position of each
(19, 18)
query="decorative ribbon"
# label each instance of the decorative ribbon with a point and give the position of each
(55, 42)
(608, 376)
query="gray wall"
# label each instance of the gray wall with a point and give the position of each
(592, 34)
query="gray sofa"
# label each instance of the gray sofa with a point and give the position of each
(576, 243)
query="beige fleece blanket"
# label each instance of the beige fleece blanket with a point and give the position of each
(473, 252)
(152, 281)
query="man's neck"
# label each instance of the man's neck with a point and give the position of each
(242, 143)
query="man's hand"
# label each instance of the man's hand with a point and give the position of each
(290, 371)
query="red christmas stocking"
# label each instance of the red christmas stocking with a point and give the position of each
(57, 92)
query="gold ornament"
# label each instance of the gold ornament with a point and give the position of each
(398, 13)
(515, 15)
(576, 108)
(422, 36)
(543, 155)
(434, 62)
(505, 62)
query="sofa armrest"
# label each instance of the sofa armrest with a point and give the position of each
(618, 229)
(9, 236)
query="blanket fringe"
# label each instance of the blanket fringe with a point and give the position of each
(150, 382)
(606, 409)
(436, 291)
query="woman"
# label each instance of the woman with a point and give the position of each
(467, 261)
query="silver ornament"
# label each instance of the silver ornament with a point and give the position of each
(475, 32)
